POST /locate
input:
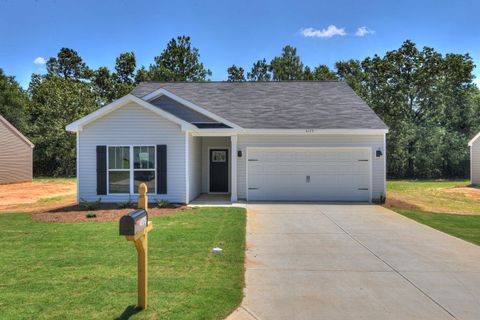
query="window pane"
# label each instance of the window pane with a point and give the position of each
(144, 157)
(144, 176)
(125, 158)
(111, 157)
(119, 157)
(119, 182)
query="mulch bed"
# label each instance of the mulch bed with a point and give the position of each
(106, 212)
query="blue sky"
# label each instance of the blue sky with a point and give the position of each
(230, 32)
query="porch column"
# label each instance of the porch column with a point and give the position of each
(233, 188)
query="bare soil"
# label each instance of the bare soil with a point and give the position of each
(106, 212)
(393, 201)
(37, 195)
(468, 191)
(55, 201)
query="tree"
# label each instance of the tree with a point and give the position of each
(427, 100)
(111, 86)
(125, 65)
(13, 102)
(322, 72)
(178, 62)
(141, 75)
(236, 74)
(259, 71)
(288, 66)
(69, 65)
(103, 85)
(56, 102)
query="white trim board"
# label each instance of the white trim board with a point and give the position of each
(473, 139)
(78, 125)
(159, 92)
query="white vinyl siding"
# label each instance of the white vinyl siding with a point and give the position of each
(194, 167)
(375, 142)
(475, 161)
(132, 125)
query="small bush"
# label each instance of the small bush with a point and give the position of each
(383, 199)
(126, 205)
(91, 215)
(164, 204)
(89, 205)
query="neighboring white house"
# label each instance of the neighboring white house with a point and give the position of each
(474, 145)
(272, 141)
(16, 154)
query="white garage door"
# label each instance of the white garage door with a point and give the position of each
(310, 174)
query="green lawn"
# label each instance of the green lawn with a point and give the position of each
(466, 227)
(417, 199)
(436, 196)
(87, 271)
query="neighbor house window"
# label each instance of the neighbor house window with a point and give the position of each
(119, 169)
(144, 167)
(123, 177)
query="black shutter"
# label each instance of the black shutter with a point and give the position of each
(101, 170)
(161, 169)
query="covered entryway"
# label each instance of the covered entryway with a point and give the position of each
(309, 174)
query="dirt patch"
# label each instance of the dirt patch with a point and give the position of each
(470, 192)
(107, 212)
(393, 201)
(36, 195)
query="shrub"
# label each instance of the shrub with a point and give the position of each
(164, 204)
(126, 205)
(89, 205)
(91, 215)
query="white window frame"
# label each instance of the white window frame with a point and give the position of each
(131, 169)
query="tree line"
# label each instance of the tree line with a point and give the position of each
(427, 99)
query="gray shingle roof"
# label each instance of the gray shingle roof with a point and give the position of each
(276, 105)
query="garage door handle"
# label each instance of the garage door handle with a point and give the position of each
(252, 159)
(253, 188)
(365, 189)
(363, 160)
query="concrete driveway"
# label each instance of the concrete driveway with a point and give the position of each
(333, 261)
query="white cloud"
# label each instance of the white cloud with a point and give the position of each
(363, 31)
(329, 32)
(40, 60)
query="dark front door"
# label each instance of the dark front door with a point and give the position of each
(219, 170)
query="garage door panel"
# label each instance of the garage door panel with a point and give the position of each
(309, 174)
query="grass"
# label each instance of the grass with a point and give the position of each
(434, 196)
(466, 227)
(87, 271)
(428, 202)
(54, 179)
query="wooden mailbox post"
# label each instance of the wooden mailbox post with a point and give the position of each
(135, 226)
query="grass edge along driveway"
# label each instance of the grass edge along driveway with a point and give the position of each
(415, 192)
(87, 271)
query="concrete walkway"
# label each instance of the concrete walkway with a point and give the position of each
(331, 261)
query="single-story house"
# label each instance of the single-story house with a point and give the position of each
(16, 154)
(474, 145)
(254, 141)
